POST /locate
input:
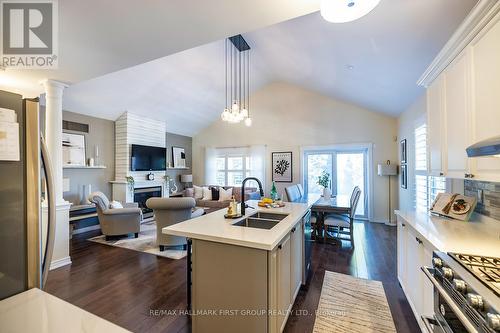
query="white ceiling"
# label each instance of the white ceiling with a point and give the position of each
(97, 37)
(389, 49)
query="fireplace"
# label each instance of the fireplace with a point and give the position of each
(143, 194)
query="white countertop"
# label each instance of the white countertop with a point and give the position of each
(481, 235)
(37, 311)
(214, 227)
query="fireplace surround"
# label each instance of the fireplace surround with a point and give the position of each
(141, 195)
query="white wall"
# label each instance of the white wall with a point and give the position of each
(286, 117)
(406, 126)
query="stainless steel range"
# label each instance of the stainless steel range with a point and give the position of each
(466, 293)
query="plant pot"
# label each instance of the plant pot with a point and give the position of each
(327, 193)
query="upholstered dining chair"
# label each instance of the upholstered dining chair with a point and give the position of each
(292, 193)
(301, 189)
(341, 221)
(116, 221)
(169, 211)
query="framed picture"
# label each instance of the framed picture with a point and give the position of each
(179, 157)
(73, 149)
(404, 176)
(282, 167)
(403, 152)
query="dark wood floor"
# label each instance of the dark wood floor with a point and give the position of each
(124, 286)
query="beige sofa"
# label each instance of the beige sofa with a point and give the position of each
(250, 193)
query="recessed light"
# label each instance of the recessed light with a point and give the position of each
(349, 67)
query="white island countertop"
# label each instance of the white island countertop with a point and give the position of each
(37, 311)
(214, 227)
(480, 235)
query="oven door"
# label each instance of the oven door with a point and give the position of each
(432, 325)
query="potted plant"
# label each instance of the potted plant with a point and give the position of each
(324, 181)
(130, 183)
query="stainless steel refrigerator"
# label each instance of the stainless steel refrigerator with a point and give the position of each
(27, 208)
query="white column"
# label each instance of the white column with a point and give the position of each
(53, 132)
(53, 138)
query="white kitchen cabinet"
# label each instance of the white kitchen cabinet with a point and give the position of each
(296, 244)
(485, 53)
(283, 279)
(435, 126)
(456, 127)
(414, 252)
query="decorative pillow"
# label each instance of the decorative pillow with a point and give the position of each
(215, 193)
(198, 192)
(207, 193)
(115, 205)
(225, 195)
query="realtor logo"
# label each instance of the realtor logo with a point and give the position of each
(29, 34)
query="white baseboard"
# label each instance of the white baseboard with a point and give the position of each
(60, 263)
(86, 229)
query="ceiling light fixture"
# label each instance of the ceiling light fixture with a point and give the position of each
(237, 80)
(341, 11)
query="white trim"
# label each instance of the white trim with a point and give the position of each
(86, 229)
(60, 263)
(346, 147)
(477, 19)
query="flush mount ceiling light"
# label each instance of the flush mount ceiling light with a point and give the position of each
(340, 11)
(237, 77)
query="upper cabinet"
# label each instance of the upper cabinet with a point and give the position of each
(485, 55)
(463, 97)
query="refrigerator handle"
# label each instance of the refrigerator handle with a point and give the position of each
(51, 224)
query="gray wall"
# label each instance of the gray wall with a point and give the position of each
(101, 133)
(186, 142)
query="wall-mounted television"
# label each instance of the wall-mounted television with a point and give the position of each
(148, 158)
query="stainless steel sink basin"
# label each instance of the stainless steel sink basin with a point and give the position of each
(261, 221)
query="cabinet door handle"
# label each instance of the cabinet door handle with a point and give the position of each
(279, 246)
(471, 175)
(419, 241)
(441, 173)
(403, 225)
(466, 175)
(293, 229)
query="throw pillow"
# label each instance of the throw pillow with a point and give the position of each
(225, 195)
(207, 193)
(115, 204)
(215, 193)
(198, 192)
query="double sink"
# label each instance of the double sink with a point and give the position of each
(261, 220)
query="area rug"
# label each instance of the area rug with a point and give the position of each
(146, 242)
(350, 304)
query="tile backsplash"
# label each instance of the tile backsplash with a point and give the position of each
(491, 197)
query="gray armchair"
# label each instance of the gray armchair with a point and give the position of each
(169, 211)
(117, 221)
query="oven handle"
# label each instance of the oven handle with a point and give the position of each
(454, 307)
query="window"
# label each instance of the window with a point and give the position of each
(347, 169)
(231, 170)
(426, 187)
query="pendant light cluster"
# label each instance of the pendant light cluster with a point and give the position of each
(237, 79)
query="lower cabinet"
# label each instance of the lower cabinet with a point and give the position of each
(284, 282)
(296, 260)
(413, 253)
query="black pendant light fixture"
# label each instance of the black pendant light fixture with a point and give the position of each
(237, 80)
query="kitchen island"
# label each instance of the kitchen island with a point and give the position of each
(245, 272)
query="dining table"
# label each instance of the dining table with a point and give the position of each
(321, 206)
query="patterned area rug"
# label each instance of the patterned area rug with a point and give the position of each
(350, 304)
(146, 242)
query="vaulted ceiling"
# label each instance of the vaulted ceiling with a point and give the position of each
(373, 62)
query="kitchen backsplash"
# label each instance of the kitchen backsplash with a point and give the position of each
(491, 197)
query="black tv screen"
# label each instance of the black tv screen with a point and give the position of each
(147, 158)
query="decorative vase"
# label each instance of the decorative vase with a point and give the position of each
(327, 193)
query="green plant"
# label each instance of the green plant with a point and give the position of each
(130, 182)
(324, 179)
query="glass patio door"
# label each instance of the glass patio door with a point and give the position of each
(347, 169)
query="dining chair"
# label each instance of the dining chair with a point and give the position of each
(340, 222)
(292, 193)
(301, 189)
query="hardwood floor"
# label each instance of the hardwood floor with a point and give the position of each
(126, 286)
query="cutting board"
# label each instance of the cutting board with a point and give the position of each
(444, 199)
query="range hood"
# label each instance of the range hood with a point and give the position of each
(485, 148)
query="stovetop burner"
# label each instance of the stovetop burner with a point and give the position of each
(486, 269)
